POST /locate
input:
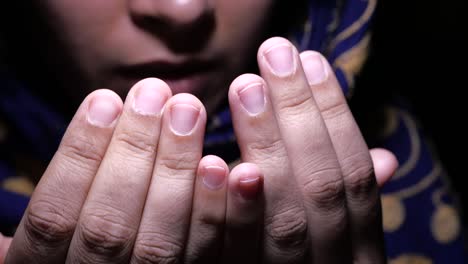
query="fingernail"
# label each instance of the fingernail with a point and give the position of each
(214, 177)
(314, 69)
(281, 59)
(252, 98)
(148, 100)
(184, 117)
(250, 187)
(103, 111)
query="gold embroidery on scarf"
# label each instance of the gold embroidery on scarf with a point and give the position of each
(19, 184)
(445, 223)
(352, 61)
(393, 213)
(391, 123)
(335, 23)
(353, 28)
(393, 208)
(307, 30)
(421, 185)
(415, 146)
(411, 259)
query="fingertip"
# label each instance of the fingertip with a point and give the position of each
(105, 93)
(188, 100)
(154, 82)
(312, 54)
(244, 80)
(315, 67)
(185, 115)
(271, 42)
(244, 215)
(385, 165)
(250, 187)
(103, 108)
(213, 172)
(247, 180)
(213, 160)
(149, 96)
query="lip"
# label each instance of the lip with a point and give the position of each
(190, 76)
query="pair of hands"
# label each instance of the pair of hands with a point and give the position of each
(129, 183)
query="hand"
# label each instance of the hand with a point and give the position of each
(120, 188)
(4, 245)
(321, 195)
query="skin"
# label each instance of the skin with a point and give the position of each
(129, 183)
(128, 35)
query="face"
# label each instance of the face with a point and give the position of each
(196, 46)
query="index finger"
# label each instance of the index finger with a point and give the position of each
(47, 227)
(309, 148)
(355, 161)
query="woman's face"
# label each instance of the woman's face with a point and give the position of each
(197, 46)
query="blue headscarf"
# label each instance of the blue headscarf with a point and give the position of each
(420, 221)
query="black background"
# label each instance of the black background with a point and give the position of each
(419, 52)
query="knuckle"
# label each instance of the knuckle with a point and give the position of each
(177, 162)
(157, 248)
(137, 143)
(325, 192)
(334, 108)
(295, 104)
(267, 147)
(210, 220)
(105, 234)
(46, 224)
(81, 150)
(359, 179)
(288, 229)
(334, 225)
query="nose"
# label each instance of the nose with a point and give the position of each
(172, 12)
(176, 22)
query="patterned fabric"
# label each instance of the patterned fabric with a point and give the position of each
(29, 135)
(420, 221)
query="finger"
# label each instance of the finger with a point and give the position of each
(244, 213)
(208, 213)
(259, 139)
(166, 218)
(309, 148)
(353, 155)
(4, 245)
(111, 214)
(47, 227)
(385, 165)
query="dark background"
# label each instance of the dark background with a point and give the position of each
(419, 52)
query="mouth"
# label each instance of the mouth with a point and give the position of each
(187, 77)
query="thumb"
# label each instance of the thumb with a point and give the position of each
(4, 245)
(385, 165)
